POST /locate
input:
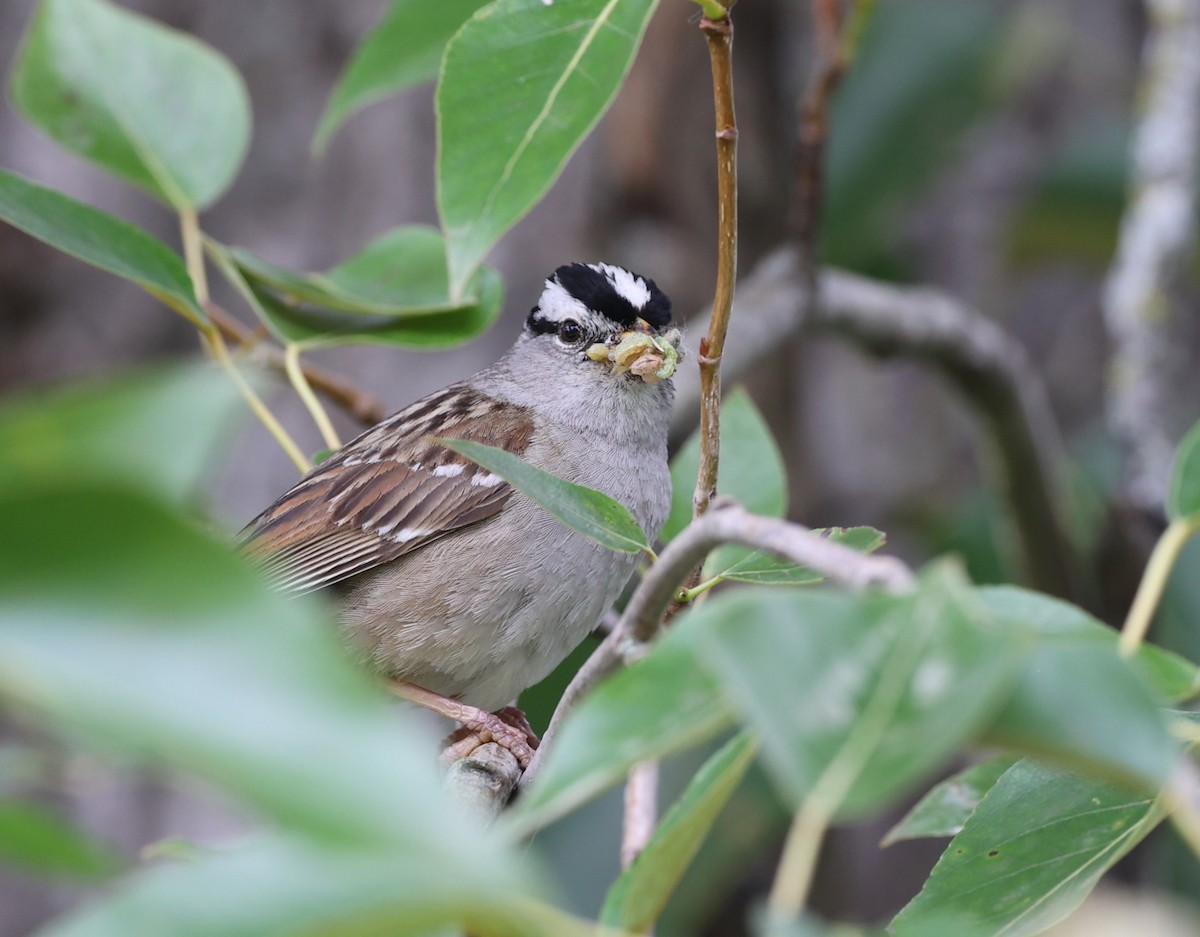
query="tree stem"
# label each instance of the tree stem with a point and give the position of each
(719, 36)
(1154, 581)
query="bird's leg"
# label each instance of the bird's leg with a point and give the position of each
(508, 727)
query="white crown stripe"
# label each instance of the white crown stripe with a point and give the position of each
(631, 287)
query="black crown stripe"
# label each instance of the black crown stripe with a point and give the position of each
(592, 288)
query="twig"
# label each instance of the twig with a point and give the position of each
(719, 36)
(989, 368)
(193, 252)
(725, 522)
(829, 64)
(482, 783)
(364, 407)
(218, 349)
(295, 373)
(1157, 233)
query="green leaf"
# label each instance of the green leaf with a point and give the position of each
(637, 898)
(122, 622)
(1077, 699)
(289, 887)
(1183, 497)
(809, 926)
(157, 430)
(1083, 704)
(152, 105)
(875, 691)
(947, 807)
(664, 703)
(586, 511)
(522, 83)
(394, 291)
(761, 568)
(99, 239)
(40, 841)
(1170, 676)
(403, 50)
(751, 471)
(1032, 851)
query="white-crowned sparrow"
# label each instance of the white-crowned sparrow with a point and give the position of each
(450, 579)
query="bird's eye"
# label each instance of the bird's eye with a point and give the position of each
(570, 332)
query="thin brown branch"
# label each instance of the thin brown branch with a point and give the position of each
(829, 65)
(719, 36)
(988, 367)
(725, 522)
(364, 407)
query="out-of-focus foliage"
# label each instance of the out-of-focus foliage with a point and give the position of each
(127, 630)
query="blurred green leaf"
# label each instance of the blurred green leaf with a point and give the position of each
(919, 82)
(1083, 704)
(522, 83)
(157, 429)
(810, 926)
(637, 898)
(40, 841)
(1077, 699)
(751, 471)
(152, 105)
(1183, 498)
(394, 291)
(122, 622)
(1171, 677)
(761, 568)
(289, 887)
(405, 49)
(950, 803)
(99, 239)
(883, 688)
(750, 826)
(586, 511)
(663, 703)
(1032, 851)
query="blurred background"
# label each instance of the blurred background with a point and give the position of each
(981, 147)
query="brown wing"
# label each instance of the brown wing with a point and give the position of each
(388, 492)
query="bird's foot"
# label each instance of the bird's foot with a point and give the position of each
(507, 727)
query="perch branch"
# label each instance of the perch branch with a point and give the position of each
(1156, 238)
(482, 782)
(988, 367)
(725, 522)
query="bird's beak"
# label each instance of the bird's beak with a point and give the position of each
(641, 351)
